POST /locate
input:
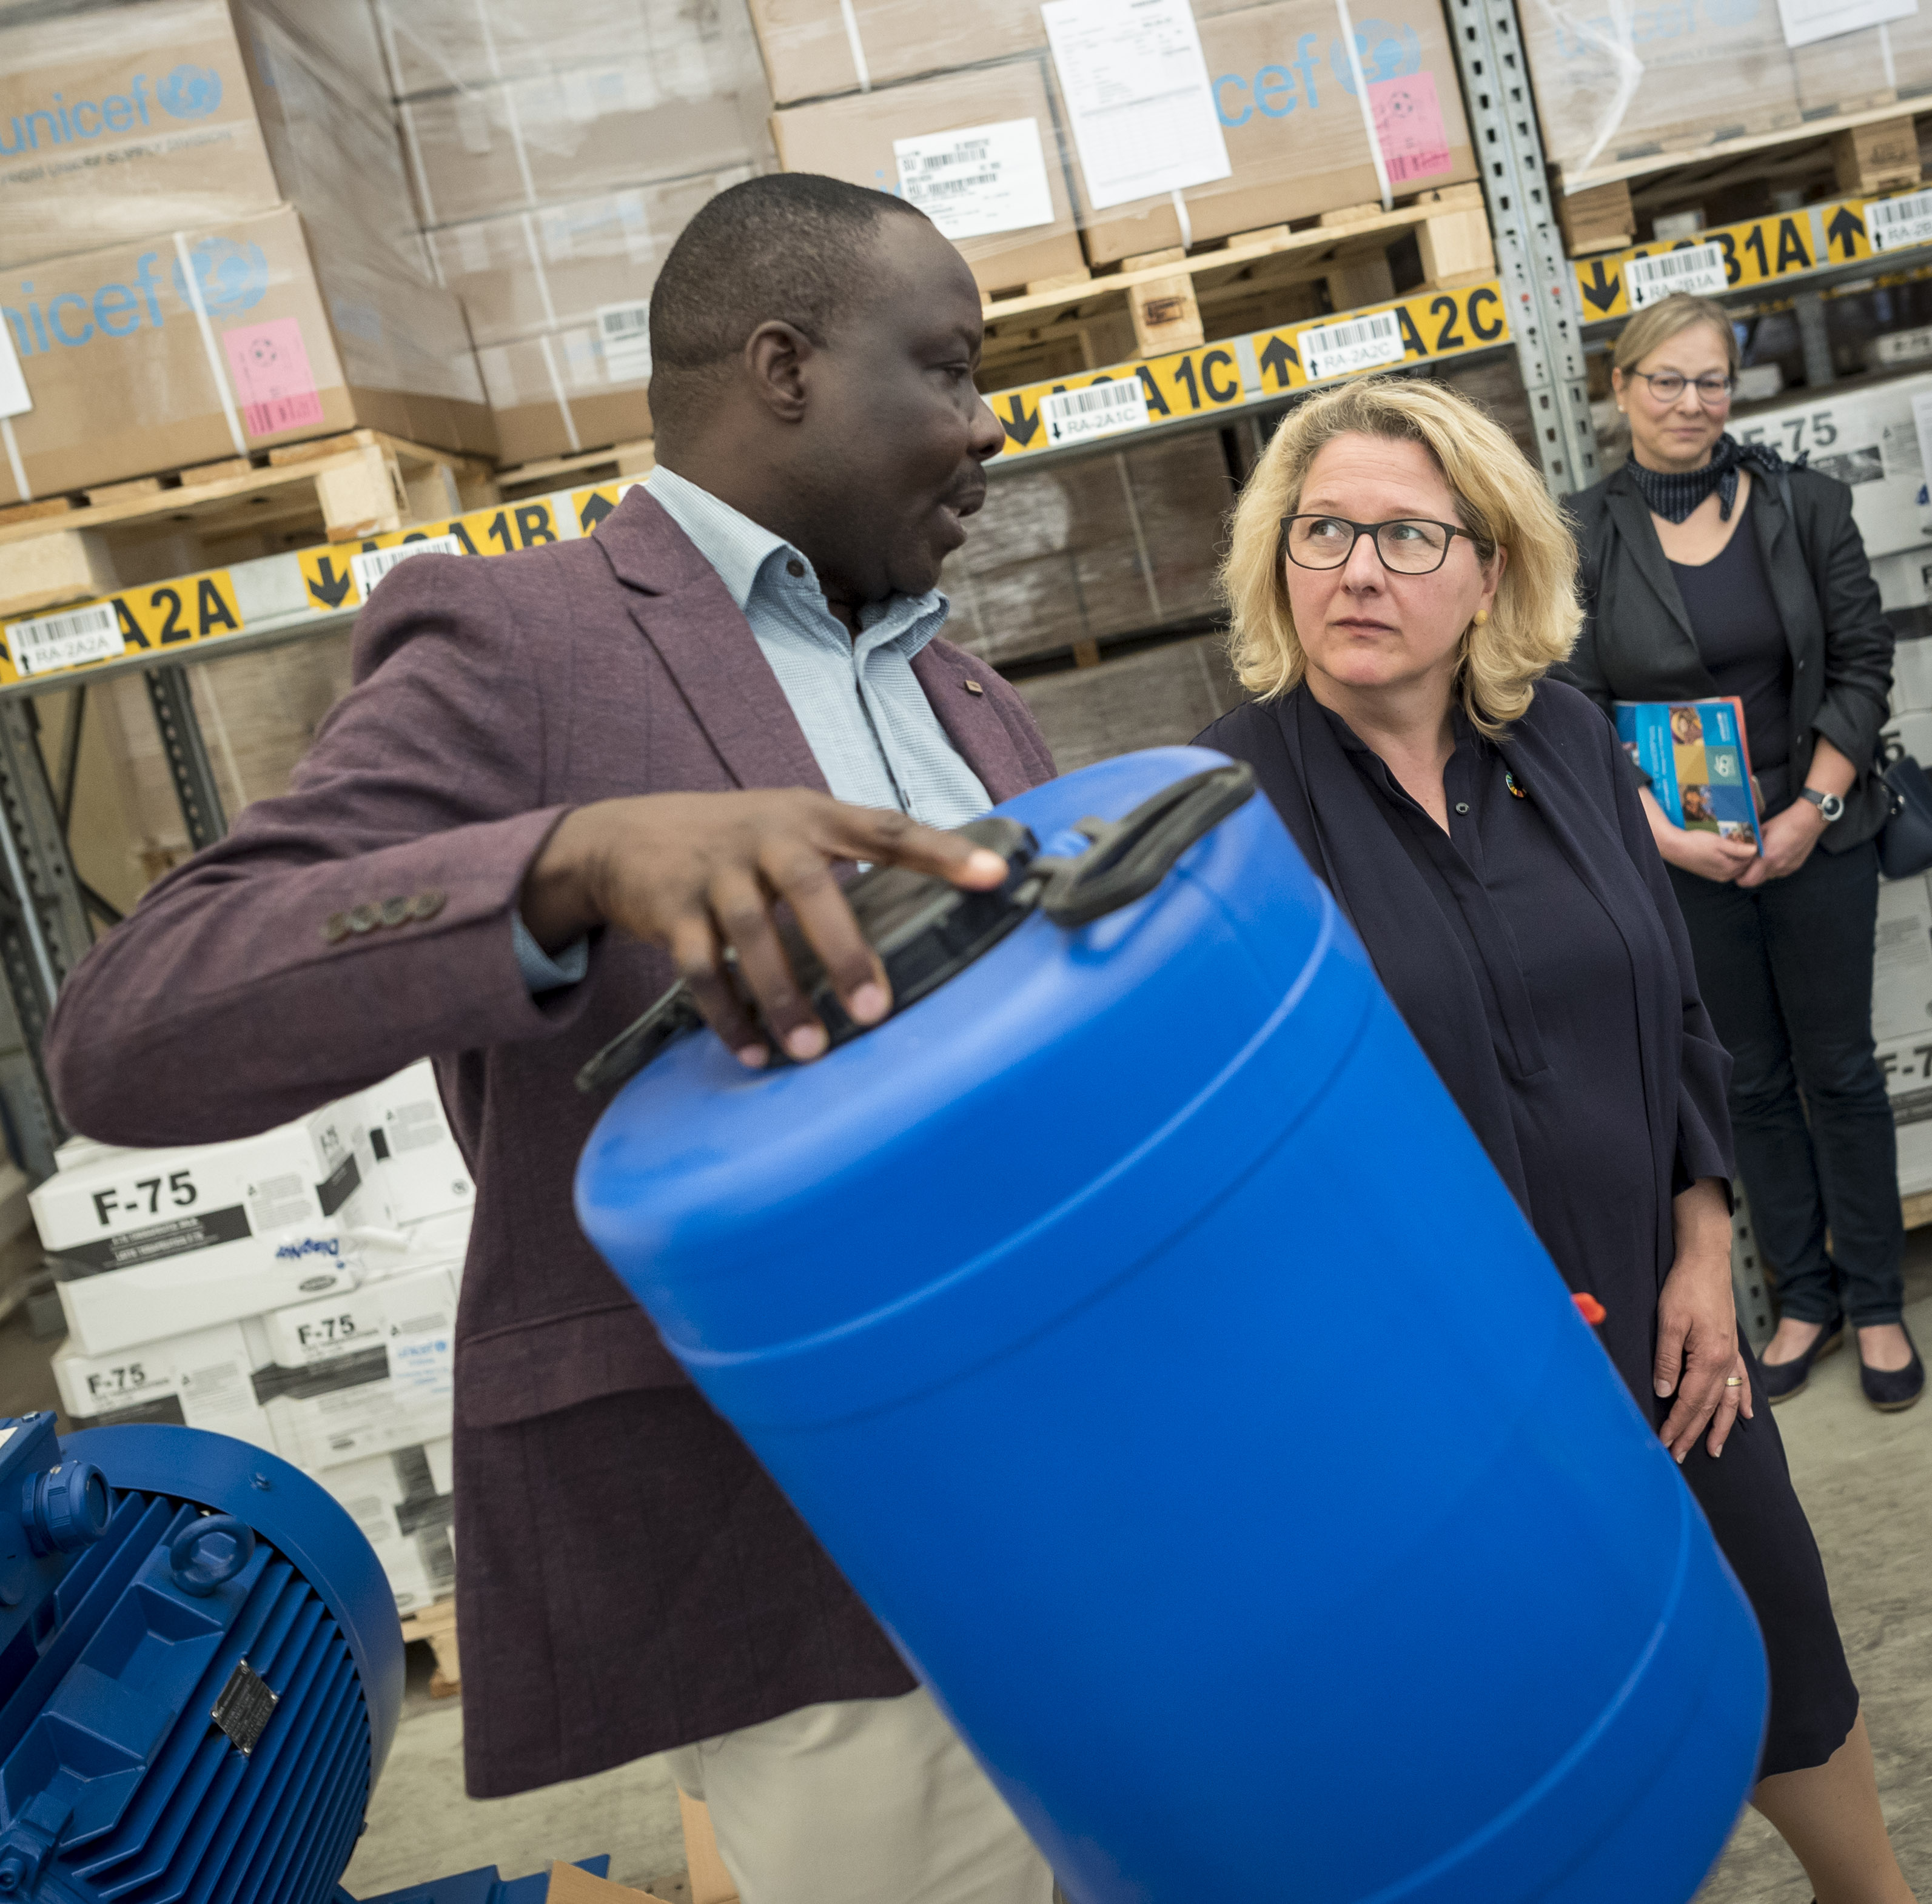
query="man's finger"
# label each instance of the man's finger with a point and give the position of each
(743, 915)
(804, 882)
(891, 839)
(695, 947)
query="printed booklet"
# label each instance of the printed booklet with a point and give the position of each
(1698, 761)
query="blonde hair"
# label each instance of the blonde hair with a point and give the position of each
(1657, 324)
(1500, 500)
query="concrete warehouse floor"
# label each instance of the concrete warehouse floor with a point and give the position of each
(1865, 1478)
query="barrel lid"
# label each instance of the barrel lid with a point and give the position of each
(926, 930)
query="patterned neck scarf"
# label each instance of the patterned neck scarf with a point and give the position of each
(1674, 494)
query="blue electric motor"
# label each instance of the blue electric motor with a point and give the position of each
(1144, 1334)
(201, 1670)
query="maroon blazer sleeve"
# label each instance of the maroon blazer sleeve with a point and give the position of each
(224, 1004)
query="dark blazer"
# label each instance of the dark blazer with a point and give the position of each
(628, 1579)
(1637, 643)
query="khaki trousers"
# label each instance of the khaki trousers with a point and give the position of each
(861, 1801)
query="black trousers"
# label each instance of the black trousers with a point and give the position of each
(1786, 970)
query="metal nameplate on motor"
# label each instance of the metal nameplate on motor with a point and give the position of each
(245, 1707)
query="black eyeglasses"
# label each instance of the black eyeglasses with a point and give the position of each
(1410, 545)
(1667, 386)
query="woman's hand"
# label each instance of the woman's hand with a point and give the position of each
(1710, 855)
(1789, 838)
(1697, 1352)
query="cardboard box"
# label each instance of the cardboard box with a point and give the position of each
(152, 1244)
(360, 1372)
(557, 267)
(853, 138)
(1297, 138)
(202, 1380)
(562, 391)
(176, 115)
(1613, 88)
(423, 1172)
(402, 1503)
(1902, 1021)
(303, 340)
(1863, 435)
(814, 49)
(435, 45)
(498, 148)
(1911, 672)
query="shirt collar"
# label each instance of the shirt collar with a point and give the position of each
(752, 560)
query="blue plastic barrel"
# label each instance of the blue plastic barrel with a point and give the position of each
(1142, 1330)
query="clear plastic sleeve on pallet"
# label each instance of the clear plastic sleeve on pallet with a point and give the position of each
(565, 391)
(1108, 545)
(486, 149)
(1307, 128)
(556, 266)
(160, 353)
(127, 121)
(979, 150)
(1159, 697)
(1623, 90)
(433, 45)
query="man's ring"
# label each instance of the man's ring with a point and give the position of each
(1734, 1381)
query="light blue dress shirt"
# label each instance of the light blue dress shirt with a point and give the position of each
(865, 718)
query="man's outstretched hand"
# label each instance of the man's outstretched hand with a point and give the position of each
(694, 873)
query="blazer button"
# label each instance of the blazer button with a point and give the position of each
(427, 904)
(974, 688)
(365, 918)
(395, 911)
(336, 929)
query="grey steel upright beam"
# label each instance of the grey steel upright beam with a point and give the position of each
(1536, 273)
(171, 695)
(44, 928)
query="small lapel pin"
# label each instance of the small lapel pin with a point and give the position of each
(1509, 780)
(974, 688)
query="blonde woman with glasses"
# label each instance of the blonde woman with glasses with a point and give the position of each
(1711, 568)
(1400, 583)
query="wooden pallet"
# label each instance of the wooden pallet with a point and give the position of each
(1174, 300)
(638, 458)
(70, 547)
(436, 1623)
(1864, 155)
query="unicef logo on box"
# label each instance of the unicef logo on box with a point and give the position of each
(231, 276)
(1388, 51)
(191, 92)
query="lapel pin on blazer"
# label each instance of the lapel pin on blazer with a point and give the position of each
(974, 688)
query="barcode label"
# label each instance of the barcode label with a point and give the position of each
(48, 643)
(1071, 416)
(979, 179)
(1891, 223)
(1363, 343)
(625, 332)
(374, 564)
(1698, 269)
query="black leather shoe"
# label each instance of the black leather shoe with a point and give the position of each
(1890, 1390)
(1782, 1380)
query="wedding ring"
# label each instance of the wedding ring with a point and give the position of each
(1734, 1381)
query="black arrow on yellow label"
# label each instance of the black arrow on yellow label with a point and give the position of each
(1845, 228)
(595, 509)
(1021, 427)
(1277, 356)
(1601, 290)
(332, 590)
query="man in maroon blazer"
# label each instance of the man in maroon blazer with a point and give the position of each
(556, 785)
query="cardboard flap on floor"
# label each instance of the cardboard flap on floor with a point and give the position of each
(568, 1885)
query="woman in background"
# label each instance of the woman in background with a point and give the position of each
(1710, 568)
(1399, 580)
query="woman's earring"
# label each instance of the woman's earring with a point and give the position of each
(1481, 616)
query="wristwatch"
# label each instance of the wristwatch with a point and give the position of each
(1829, 804)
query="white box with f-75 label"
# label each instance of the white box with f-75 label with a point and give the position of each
(151, 1244)
(201, 1379)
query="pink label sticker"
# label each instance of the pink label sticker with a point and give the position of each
(270, 366)
(1409, 127)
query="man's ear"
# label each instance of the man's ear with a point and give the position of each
(775, 356)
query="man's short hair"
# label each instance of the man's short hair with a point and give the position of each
(792, 246)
